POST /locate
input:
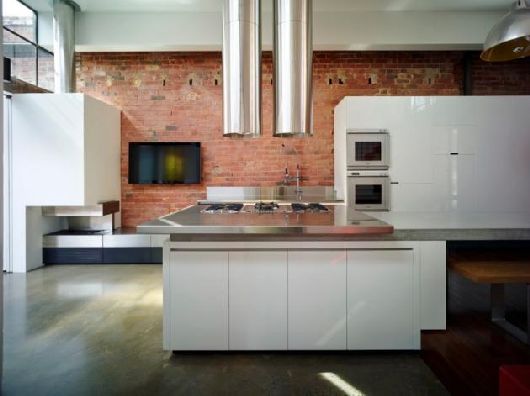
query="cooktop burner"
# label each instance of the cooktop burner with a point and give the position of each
(224, 208)
(266, 207)
(312, 207)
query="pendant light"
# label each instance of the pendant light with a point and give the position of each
(510, 38)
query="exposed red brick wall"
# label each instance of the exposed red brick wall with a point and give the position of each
(158, 103)
(501, 78)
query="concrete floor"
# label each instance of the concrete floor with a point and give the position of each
(87, 330)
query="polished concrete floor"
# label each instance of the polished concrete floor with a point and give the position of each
(96, 330)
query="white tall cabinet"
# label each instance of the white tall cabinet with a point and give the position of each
(62, 149)
(447, 153)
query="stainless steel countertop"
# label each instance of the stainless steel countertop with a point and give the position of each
(339, 220)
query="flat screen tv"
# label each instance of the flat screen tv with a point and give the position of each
(164, 163)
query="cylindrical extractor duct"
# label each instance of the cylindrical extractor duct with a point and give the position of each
(241, 68)
(293, 67)
(64, 45)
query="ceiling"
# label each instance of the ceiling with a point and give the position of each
(319, 5)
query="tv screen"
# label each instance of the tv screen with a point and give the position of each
(164, 163)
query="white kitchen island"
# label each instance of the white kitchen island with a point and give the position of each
(308, 292)
(310, 295)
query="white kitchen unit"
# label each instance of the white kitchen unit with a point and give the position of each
(447, 153)
(432, 256)
(257, 300)
(383, 294)
(63, 149)
(317, 299)
(196, 293)
(302, 295)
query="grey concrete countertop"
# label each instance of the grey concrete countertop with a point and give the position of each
(455, 220)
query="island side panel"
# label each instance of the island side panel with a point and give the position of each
(433, 285)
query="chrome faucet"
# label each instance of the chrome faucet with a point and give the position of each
(287, 179)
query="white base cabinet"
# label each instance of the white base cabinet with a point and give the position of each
(382, 300)
(305, 296)
(197, 301)
(317, 300)
(257, 300)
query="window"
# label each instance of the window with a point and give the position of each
(30, 62)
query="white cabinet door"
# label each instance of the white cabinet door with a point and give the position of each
(197, 301)
(411, 158)
(383, 310)
(413, 197)
(317, 299)
(456, 182)
(462, 139)
(258, 300)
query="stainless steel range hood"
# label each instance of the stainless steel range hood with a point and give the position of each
(64, 45)
(293, 67)
(241, 68)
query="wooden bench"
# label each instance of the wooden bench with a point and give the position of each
(496, 268)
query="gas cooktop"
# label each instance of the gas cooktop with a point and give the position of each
(264, 207)
(224, 208)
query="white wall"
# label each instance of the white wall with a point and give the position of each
(102, 152)
(491, 135)
(202, 31)
(65, 150)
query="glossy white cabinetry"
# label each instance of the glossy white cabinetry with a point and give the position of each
(317, 299)
(448, 153)
(126, 240)
(432, 258)
(382, 303)
(454, 138)
(413, 197)
(408, 151)
(258, 300)
(301, 295)
(197, 300)
(158, 240)
(455, 182)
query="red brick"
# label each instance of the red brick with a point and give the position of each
(196, 111)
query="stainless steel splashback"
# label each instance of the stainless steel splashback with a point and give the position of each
(279, 193)
(293, 66)
(241, 68)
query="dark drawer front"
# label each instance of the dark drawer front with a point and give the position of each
(72, 255)
(127, 255)
(157, 255)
